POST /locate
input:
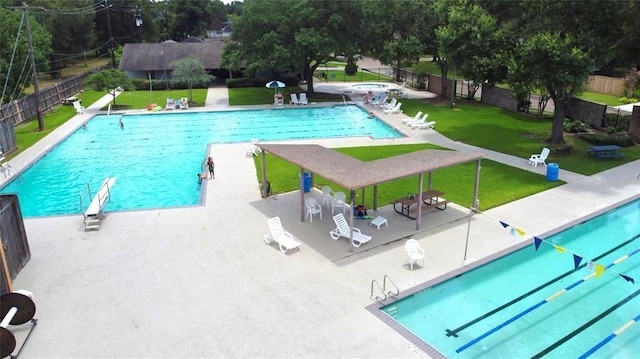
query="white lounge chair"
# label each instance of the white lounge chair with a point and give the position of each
(414, 252)
(253, 150)
(171, 104)
(303, 98)
(294, 99)
(390, 105)
(279, 235)
(395, 109)
(424, 125)
(184, 103)
(535, 159)
(423, 119)
(339, 200)
(327, 196)
(380, 100)
(79, 108)
(415, 118)
(343, 230)
(312, 208)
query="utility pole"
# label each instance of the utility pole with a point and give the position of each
(34, 78)
(111, 40)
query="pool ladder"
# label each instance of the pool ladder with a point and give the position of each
(383, 289)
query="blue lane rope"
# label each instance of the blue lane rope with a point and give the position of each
(539, 304)
(610, 337)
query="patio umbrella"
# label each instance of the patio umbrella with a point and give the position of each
(275, 85)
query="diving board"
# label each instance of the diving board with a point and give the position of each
(95, 211)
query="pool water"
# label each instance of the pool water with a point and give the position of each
(156, 157)
(528, 328)
(370, 86)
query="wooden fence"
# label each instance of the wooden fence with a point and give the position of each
(607, 85)
(24, 108)
(13, 238)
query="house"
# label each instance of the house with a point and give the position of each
(155, 60)
(219, 29)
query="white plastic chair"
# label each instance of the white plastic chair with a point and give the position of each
(415, 118)
(303, 98)
(343, 230)
(423, 119)
(279, 235)
(390, 105)
(423, 126)
(395, 109)
(79, 108)
(312, 208)
(327, 196)
(535, 159)
(294, 99)
(339, 201)
(414, 252)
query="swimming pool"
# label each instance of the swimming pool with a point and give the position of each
(156, 157)
(370, 86)
(535, 303)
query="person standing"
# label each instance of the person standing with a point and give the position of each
(211, 167)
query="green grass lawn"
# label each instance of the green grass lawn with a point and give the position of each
(341, 76)
(140, 99)
(499, 183)
(516, 134)
(609, 100)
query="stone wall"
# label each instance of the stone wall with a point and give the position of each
(496, 96)
(590, 113)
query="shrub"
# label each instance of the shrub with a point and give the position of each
(617, 122)
(626, 100)
(574, 126)
(622, 140)
(351, 68)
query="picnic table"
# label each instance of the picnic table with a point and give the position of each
(605, 151)
(430, 200)
(70, 100)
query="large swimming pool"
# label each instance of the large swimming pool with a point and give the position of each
(533, 304)
(155, 157)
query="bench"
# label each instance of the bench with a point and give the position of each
(436, 205)
(610, 155)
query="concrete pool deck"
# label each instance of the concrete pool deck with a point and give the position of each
(201, 282)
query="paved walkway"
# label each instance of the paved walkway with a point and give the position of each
(200, 281)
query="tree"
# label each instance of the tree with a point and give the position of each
(15, 74)
(291, 36)
(398, 37)
(560, 51)
(471, 41)
(75, 25)
(109, 80)
(191, 72)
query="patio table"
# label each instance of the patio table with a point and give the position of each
(605, 151)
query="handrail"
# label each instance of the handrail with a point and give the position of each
(384, 286)
(382, 290)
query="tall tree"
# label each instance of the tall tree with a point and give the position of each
(560, 51)
(191, 72)
(109, 80)
(471, 41)
(15, 71)
(396, 32)
(72, 24)
(290, 36)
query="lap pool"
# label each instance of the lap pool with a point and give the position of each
(155, 157)
(534, 304)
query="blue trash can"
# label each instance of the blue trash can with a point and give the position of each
(552, 172)
(307, 182)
